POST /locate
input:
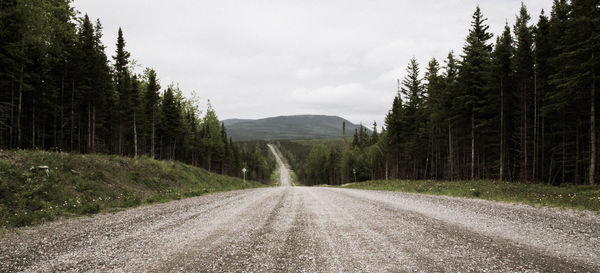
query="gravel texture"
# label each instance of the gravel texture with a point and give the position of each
(302, 229)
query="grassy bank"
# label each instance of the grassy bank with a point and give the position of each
(565, 196)
(86, 184)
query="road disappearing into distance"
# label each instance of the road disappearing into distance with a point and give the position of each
(313, 229)
(284, 173)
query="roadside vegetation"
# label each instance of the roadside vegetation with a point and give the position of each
(76, 184)
(566, 196)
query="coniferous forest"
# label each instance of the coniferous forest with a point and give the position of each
(60, 91)
(519, 107)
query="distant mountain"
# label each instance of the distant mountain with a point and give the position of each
(288, 127)
(228, 122)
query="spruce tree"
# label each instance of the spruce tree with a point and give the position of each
(474, 76)
(523, 65)
(122, 81)
(502, 84)
(543, 70)
(151, 98)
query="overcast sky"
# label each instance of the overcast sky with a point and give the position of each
(257, 59)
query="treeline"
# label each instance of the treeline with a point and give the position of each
(523, 108)
(59, 91)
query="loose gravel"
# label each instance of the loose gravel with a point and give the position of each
(311, 229)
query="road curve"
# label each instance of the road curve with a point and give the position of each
(306, 229)
(284, 173)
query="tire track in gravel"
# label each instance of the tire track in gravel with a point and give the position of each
(469, 248)
(68, 243)
(356, 246)
(301, 229)
(236, 247)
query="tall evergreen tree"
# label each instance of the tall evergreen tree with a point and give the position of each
(502, 81)
(523, 65)
(122, 85)
(474, 75)
(543, 70)
(151, 99)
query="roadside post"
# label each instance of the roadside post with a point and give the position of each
(244, 171)
(354, 172)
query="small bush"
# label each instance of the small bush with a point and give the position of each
(475, 192)
(90, 208)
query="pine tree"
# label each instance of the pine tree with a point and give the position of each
(122, 81)
(151, 97)
(450, 84)
(523, 64)
(542, 51)
(474, 75)
(211, 134)
(170, 125)
(374, 135)
(502, 81)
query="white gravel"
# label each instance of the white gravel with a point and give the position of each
(301, 229)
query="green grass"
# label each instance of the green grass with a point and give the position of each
(87, 184)
(566, 196)
(275, 177)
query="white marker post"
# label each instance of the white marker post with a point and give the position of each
(354, 172)
(244, 171)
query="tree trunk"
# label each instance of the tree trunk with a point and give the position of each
(12, 114)
(524, 169)
(62, 112)
(564, 153)
(593, 139)
(535, 127)
(472, 144)
(79, 131)
(577, 154)
(386, 169)
(152, 138)
(501, 129)
(20, 107)
(208, 161)
(33, 121)
(120, 143)
(93, 128)
(450, 152)
(543, 145)
(72, 112)
(89, 128)
(135, 150)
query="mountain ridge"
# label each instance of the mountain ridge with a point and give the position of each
(289, 127)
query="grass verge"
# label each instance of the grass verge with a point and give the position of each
(586, 197)
(76, 184)
(275, 177)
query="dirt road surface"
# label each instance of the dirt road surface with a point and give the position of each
(284, 173)
(306, 229)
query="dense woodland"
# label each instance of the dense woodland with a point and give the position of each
(520, 107)
(60, 91)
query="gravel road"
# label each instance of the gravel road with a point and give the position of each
(310, 229)
(284, 173)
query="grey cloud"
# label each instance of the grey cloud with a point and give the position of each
(265, 58)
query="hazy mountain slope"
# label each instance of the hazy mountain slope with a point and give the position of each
(289, 127)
